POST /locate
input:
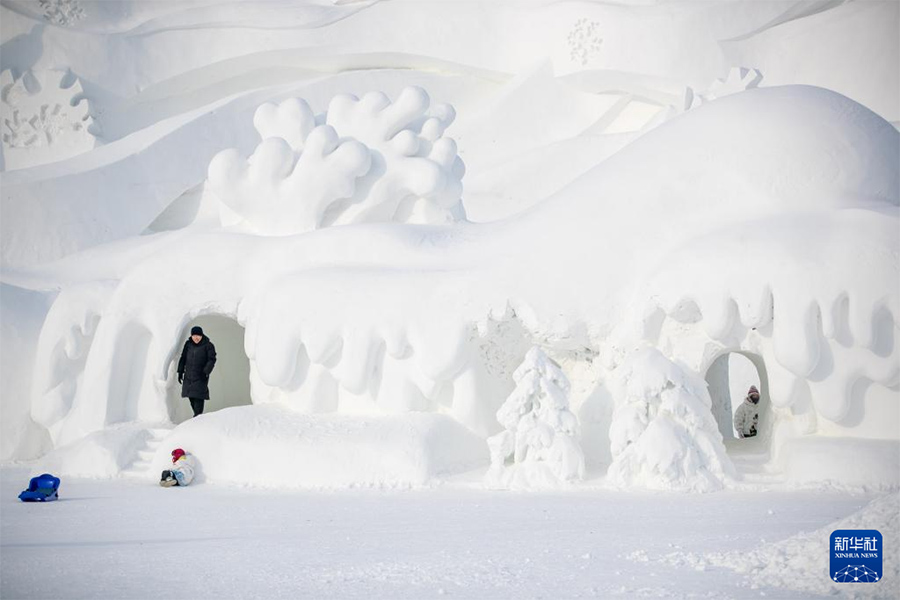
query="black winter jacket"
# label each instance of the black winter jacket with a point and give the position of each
(196, 364)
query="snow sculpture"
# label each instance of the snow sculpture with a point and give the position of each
(739, 79)
(44, 119)
(75, 318)
(538, 445)
(374, 318)
(663, 434)
(367, 160)
(64, 13)
(280, 193)
(640, 107)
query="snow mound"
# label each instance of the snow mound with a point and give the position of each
(842, 463)
(102, 454)
(801, 562)
(274, 446)
(663, 434)
(763, 150)
(368, 160)
(538, 446)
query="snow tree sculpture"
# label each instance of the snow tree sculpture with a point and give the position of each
(364, 160)
(537, 446)
(663, 434)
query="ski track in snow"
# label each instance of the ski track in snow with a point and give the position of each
(121, 539)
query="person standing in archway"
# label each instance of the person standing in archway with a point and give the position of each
(746, 416)
(198, 358)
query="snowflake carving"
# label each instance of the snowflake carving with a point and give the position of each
(39, 129)
(64, 13)
(44, 121)
(584, 41)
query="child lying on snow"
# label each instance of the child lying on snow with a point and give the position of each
(182, 471)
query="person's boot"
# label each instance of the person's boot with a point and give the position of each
(168, 482)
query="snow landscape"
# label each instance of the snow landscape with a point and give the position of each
(488, 283)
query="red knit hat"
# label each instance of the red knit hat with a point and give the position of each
(177, 453)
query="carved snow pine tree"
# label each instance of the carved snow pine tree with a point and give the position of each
(538, 446)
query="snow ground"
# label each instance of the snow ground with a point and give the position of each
(125, 539)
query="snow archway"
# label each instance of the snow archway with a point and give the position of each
(729, 377)
(229, 384)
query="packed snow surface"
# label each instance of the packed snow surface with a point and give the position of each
(116, 539)
(801, 562)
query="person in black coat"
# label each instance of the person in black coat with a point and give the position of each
(198, 358)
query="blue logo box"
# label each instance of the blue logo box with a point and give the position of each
(856, 556)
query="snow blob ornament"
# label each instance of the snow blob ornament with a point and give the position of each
(365, 160)
(538, 446)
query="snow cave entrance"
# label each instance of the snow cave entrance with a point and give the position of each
(729, 377)
(229, 384)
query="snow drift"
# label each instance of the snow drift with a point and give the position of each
(801, 562)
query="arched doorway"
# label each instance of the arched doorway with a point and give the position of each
(729, 377)
(229, 384)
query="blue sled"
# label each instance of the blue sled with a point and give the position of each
(43, 488)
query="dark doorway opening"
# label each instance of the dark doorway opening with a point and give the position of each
(229, 384)
(729, 378)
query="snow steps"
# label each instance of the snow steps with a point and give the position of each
(756, 468)
(762, 477)
(140, 467)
